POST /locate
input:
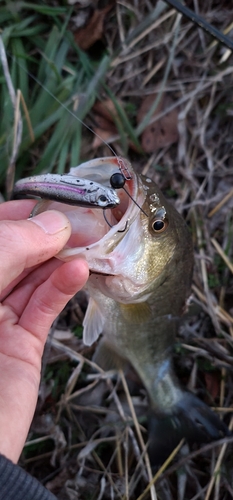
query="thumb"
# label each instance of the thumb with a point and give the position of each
(27, 243)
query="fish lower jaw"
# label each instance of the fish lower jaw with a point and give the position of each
(99, 273)
(120, 289)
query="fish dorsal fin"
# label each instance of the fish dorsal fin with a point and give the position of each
(136, 313)
(93, 323)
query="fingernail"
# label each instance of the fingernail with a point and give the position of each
(51, 222)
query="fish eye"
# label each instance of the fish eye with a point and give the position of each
(159, 225)
(102, 200)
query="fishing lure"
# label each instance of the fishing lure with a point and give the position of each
(78, 191)
(68, 189)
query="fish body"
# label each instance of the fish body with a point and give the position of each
(141, 273)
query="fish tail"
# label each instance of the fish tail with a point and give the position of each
(191, 419)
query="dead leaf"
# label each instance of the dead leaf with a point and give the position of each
(104, 124)
(212, 383)
(104, 135)
(88, 449)
(93, 31)
(106, 109)
(104, 113)
(164, 131)
(58, 482)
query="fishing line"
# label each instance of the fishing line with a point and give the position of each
(117, 181)
(110, 225)
(122, 167)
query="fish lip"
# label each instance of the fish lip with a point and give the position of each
(99, 273)
(69, 189)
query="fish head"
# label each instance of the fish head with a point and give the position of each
(133, 248)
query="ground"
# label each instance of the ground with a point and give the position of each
(111, 64)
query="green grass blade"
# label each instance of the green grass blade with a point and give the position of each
(22, 80)
(63, 158)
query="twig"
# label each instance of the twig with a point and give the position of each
(218, 465)
(140, 438)
(221, 203)
(164, 466)
(190, 14)
(152, 109)
(222, 254)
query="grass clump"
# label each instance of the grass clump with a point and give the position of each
(54, 77)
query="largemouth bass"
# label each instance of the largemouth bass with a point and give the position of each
(141, 262)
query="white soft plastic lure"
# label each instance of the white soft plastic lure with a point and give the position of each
(68, 189)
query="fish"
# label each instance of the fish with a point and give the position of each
(140, 256)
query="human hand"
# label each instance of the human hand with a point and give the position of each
(34, 288)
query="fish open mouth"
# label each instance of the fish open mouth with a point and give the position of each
(91, 226)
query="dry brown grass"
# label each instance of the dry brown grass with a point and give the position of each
(91, 425)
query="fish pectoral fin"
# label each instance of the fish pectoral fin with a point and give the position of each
(136, 313)
(107, 358)
(93, 323)
(191, 419)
